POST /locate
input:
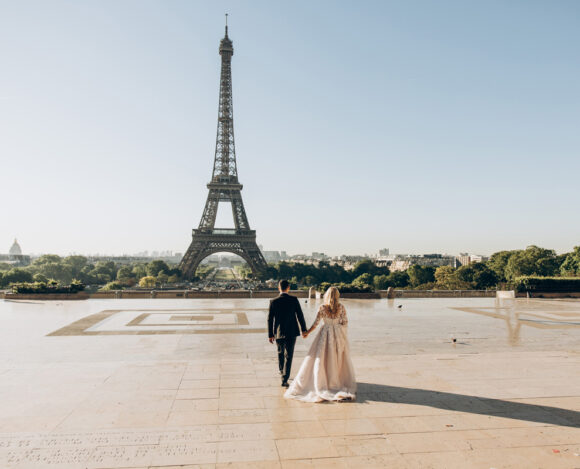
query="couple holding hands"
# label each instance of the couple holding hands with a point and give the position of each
(326, 374)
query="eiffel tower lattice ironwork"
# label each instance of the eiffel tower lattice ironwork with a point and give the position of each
(224, 187)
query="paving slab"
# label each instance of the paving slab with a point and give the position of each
(192, 383)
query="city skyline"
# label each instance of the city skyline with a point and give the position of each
(289, 255)
(422, 127)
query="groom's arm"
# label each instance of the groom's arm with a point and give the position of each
(271, 322)
(300, 316)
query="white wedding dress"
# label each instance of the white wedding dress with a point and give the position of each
(326, 374)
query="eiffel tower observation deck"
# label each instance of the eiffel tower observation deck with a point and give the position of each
(224, 187)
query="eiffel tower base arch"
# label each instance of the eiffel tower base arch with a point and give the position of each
(207, 242)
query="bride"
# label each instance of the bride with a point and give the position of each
(326, 373)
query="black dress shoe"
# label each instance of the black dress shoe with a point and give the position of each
(285, 384)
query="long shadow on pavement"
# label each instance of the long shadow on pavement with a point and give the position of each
(369, 392)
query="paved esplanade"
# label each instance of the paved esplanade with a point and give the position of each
(161, 383)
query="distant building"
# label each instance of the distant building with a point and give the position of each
(383, 262)
(466, 259)
(398, 265)
(15, 256)
(403, 262)
(272, 256)
(383, 252)
(141, 257)
(120, 260)
(15, 249)
(213, 259)
(319, 256)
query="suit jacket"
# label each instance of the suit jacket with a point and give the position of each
(284, 315)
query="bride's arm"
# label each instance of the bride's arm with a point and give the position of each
(343, 319)
(316, 321)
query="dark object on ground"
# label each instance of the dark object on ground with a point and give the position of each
(399, 306)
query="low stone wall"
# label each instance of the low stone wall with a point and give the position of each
(126, 294)
(46, 296)
(362, 296)
(225, 294)
(440, 294)
(232, 294)
(547, 295)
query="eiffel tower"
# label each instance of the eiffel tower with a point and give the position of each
(224, 187)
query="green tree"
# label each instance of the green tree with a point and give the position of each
(47, 258)
(156, 266)
(104, 271)
(477, 275)
(58, 271)
(38, 277)
(285, 270)
(76, 264)
(498, 263)
(162, 277)
(445, 277)
(363, 280)
(309, 281)
(5, 266)
(148, 281)
(113, 286)
(381, 282)
(485, 278)
(571, 264)
(125, 272)
(532, 261)
(367, 266)
(173, 279)
(139, 271)
(16, 275)
(399, 279)
(87, 276)
(419, 274)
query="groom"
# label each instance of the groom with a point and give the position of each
(283, 318)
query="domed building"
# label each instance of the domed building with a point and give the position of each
(15, 250)
(15, 256)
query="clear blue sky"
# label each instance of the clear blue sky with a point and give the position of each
(422, 126)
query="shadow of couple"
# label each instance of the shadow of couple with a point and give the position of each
(369, 392)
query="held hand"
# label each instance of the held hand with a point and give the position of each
(304, 335)
(271, 340)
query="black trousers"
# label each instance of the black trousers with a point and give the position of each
(285, 354)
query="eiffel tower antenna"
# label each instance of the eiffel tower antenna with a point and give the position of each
(224, 187)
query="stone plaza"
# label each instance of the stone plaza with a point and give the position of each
(192, 383)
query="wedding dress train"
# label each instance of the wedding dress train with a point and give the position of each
(326, 374)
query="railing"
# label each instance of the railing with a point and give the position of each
(224, 231)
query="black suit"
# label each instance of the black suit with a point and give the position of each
(283, 318)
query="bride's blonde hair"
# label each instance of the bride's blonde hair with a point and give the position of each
(331, 299)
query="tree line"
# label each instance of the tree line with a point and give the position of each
(502, 268)
(109, 274)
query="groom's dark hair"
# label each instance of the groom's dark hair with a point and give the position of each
(283, 284)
